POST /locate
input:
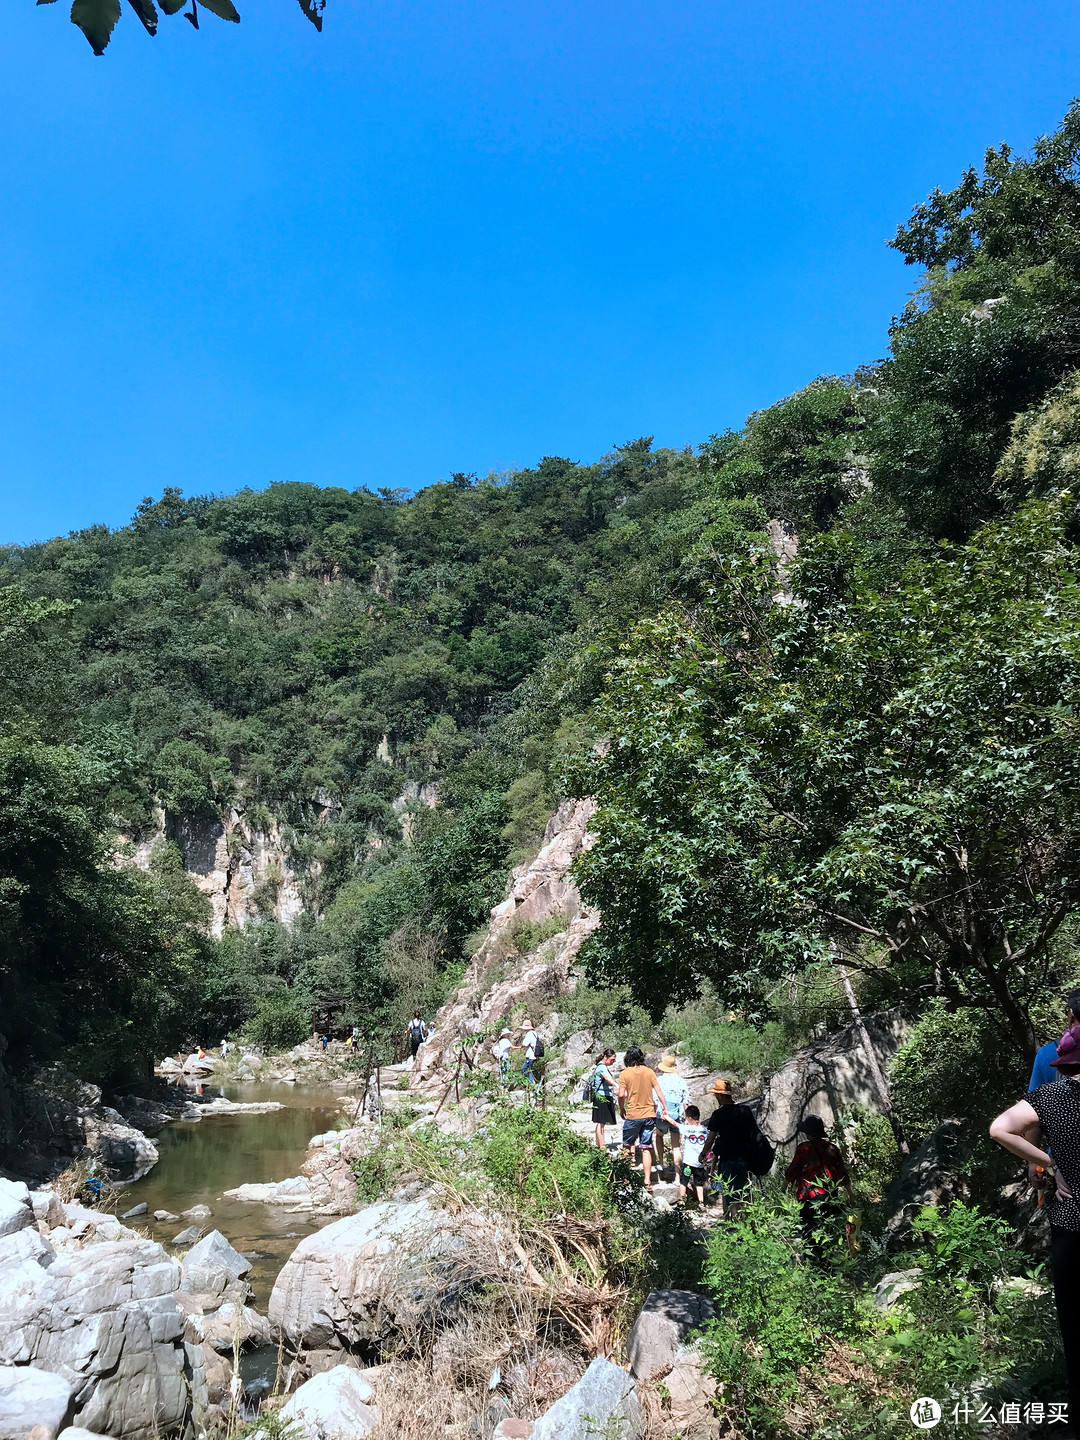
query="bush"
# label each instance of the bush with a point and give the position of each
(940, 1071)
(531, 1154)
(733, 1045)
(281, 1021)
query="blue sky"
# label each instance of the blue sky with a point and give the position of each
(440, 238)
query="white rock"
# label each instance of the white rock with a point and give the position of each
(363, 1278)
(16, 1212)
(603, 1401)
(197, 1212)
(30, 1397)
(662, 1324)
(332, 1406)
(76, 1432)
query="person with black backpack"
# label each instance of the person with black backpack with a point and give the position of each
(600, 1092)
(417, 1032)
(736, 1146)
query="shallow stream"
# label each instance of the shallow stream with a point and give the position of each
(200, 1159)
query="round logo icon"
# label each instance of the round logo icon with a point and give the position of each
(925, 1413)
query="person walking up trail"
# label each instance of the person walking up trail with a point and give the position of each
(677, 1095)
(501, 1051)
(532, 1067)
(640, 1099)
(733, 1132)
(817, 1170)
(601, 1089)
(418, 1033)
(1043, 1072)
(1054, 1110)
(694, 1137)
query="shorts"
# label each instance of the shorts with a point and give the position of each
(603, 1112)
(734, 1175)
(694, 1175)
(670, 1127)
(639, 1132)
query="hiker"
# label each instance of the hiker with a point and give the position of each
(1054, 1109)
(325, 1041)
(202, 1053)
(676, 1094)
(817, 1169)
(733, 1133)
(1043, 1072)
(417, 1032)
(601, 1087)
(501, 1050)
(638, 1089)
(694, 1136)
(224, 1049)
(534, 1053)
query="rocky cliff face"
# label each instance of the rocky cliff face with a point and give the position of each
(244, 868)
(504, 971)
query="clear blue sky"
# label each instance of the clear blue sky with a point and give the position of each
(460, 237)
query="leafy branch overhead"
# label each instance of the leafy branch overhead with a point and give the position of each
(97, 18)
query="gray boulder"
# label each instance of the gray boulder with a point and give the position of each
(890, 1287)
(16, 1211)
(135, 1211)
(196, 1212)
(212, 1265)
(662, 1325)
(332, 1406)
(188, 1236)
(603, 1402)
(29, 1398)
(232, 1324)
(933, 1175)
(369, 1276)
(102, 1317)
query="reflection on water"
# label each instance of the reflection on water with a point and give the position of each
(201, 1159)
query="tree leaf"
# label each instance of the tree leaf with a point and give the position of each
(224, 9)
(144, 9)
(313, 9)
(96, 19)
(172, 6)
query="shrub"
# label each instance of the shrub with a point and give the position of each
(736, 1046)
(530, 934)
(531, 1154)
(281, 1021)
(940, 1071)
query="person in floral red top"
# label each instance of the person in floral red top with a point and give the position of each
(817, 1171)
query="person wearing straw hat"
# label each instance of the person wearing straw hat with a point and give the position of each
(732, 1129)
(677, 1096)
(1052, 1113)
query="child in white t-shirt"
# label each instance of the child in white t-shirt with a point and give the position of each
(694, 1139)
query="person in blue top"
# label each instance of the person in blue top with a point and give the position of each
(1043, 1071)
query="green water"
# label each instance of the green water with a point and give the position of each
(201, 1159)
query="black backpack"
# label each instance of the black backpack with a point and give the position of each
(538, 1053)
(760, 1154)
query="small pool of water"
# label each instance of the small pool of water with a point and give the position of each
(200, 1159)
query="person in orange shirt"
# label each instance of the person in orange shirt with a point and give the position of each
(640, 1101)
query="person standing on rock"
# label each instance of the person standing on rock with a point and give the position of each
(534, 1050)
(1054, 1110)
(602, 1090)
(817, 1171)
(224, 1049)
(732, 1134)
(418, 1033)
(640, 1100)
(677, 1095)
(501, 1051)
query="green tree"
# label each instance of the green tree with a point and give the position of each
(887, 768)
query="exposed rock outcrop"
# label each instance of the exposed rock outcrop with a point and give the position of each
(603, 1402)
(103, 1318)
(540, 890)
(828, 1076)
(371, 1276)
(334, 1404)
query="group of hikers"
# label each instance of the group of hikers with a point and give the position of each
(718, 1155)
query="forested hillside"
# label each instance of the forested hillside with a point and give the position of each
(863, 752)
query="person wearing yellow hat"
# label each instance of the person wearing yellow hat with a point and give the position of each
(733, 1130)
(677, 1096)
